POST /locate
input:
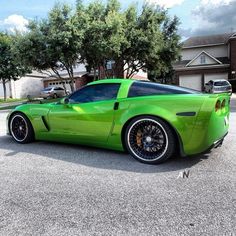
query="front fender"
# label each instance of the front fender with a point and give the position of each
(37, 115)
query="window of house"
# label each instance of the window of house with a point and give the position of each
(203, 59)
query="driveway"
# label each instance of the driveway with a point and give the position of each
(58, 189)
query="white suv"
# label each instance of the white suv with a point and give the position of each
(218, 86)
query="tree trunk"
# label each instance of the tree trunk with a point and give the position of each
(4, 89)
(94, 74)
(10, 89)
(72, 87)
(119, 68)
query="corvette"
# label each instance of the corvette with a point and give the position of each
(149, 120)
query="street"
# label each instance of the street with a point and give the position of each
(61, 189)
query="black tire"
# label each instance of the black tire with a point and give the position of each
(149, 140)
(20, 128)
(55, 95)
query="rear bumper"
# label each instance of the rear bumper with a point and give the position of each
(218, 142)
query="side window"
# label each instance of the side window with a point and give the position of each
(146, 89)
(94, 93)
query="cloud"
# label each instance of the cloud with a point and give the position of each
(212, 17)
(166, 3)
(15, 22)
(215, 2)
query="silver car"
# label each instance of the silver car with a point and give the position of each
(218, 86)
(52, 92)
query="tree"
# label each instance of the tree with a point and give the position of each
(97, 33)
(170, 52)
(53, 44)
(11, 67)
(103, 36)
(147, 41)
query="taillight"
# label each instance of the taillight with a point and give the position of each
(217, 106)
(223, 104)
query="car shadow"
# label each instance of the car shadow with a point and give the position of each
(97, 158)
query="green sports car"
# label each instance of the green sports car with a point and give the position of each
(150, 120)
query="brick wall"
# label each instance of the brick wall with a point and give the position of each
(80, 82)
(233, 54)
(233, 62)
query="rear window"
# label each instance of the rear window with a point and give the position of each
(221, 83)
(141, 88)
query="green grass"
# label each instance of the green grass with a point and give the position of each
(12, 100)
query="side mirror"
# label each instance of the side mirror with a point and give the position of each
(64, 101)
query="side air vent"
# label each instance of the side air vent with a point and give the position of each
(45, 123)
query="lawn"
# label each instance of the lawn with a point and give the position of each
(12, 100)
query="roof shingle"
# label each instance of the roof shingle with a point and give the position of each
(207, 40)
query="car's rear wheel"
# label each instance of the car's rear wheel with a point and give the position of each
(21, 128)
(149, 140)
(55, 95)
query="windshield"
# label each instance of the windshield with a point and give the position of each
(47, 89)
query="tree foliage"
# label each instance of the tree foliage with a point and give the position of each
(11, 67)
(98, 32)
(53, 43)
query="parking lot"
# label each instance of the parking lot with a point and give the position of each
(58, 189)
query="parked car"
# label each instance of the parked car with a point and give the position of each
(149, 120)
(218, 86)
(53, 92)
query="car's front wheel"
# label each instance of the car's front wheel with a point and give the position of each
(149, 140)
(21, 128)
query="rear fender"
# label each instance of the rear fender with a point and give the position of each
(183, 125)
(211, 125)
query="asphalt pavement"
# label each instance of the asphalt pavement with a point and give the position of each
(58, 189)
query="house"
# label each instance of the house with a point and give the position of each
(81, 76)
(30, 84)
(205, 58)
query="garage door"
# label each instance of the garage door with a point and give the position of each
(191, 81)
(215, 76)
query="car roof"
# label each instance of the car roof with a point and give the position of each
(130, 82)
(111, 80)
(220, 80)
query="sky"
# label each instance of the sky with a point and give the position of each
(197, 17)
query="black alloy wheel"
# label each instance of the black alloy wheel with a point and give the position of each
(21, 128)
(149, 140)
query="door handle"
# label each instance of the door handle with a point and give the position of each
(116, 105)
